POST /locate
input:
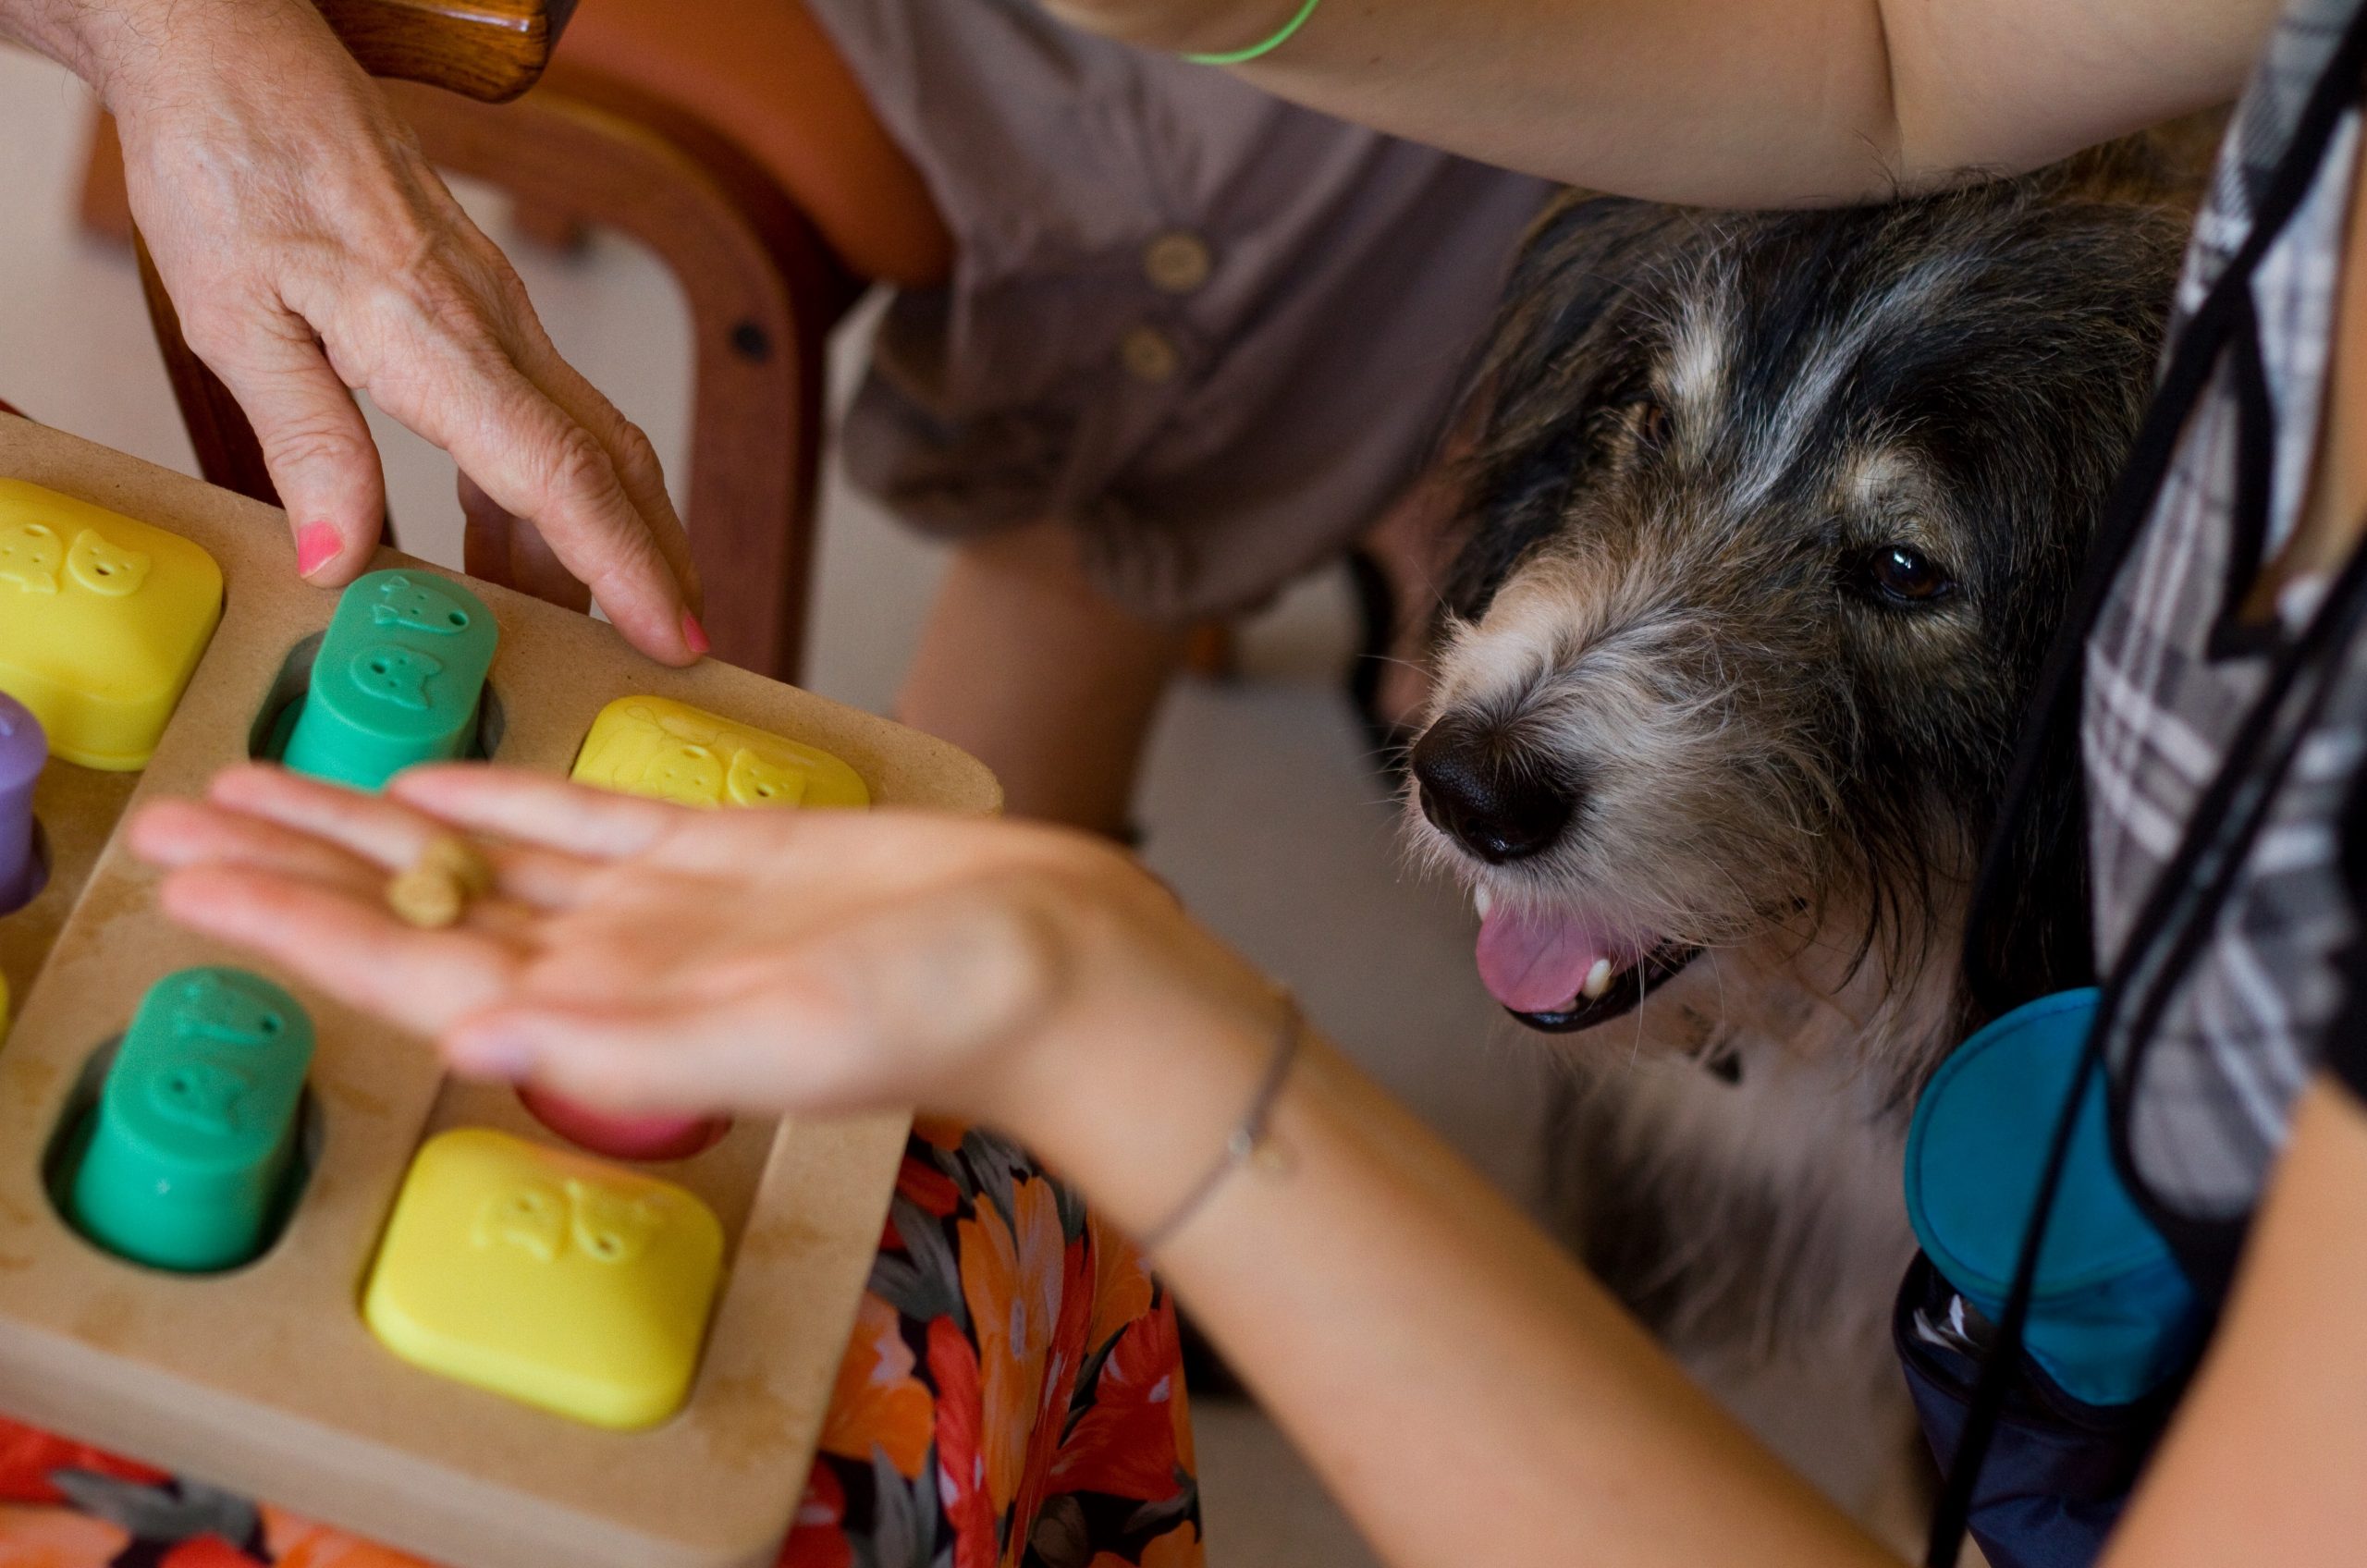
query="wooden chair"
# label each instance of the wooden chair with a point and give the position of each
(732, 141)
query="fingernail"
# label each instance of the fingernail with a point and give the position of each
(316, 544)
(502, 1058)
(695, 635)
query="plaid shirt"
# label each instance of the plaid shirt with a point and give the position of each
(2206, 1097)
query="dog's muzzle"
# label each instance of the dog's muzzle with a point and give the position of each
(1481, 787)
(1503, 800)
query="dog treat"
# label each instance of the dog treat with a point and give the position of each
(435, 891)
(459, 860)
(427, 899)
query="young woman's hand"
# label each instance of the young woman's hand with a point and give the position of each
(311, 253)
(646, 957)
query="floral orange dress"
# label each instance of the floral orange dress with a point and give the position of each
(1013, 1398)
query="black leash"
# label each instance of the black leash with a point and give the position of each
(2197, 880)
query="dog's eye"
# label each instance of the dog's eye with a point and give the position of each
(1651, 423)
(1904, 575)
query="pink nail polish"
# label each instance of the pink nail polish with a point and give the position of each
(316, 544)
(695, 635)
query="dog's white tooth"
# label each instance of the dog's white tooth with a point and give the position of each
(1598, 980)
(1483, 900)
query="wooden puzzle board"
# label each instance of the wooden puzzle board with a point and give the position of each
(265, 1379)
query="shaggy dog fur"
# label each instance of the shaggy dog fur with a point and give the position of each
(1772, 517)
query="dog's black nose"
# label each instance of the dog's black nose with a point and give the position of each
(1488, 793)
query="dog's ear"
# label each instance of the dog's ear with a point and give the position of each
(1557, 349)
(2166, 165)
(2119, 215)
(2030, 933)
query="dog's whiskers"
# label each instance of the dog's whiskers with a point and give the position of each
(1700, 702)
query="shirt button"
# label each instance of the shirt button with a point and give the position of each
(1178, 262)
(1149, 355)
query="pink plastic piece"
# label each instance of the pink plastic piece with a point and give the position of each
(624, 1137)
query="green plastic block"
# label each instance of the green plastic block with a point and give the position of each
(186, 1160)
(397, 681)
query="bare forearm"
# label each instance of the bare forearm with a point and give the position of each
(1418, 1337)
(75, 34)
(2263, 1462)
(117, 47)
(1467, 1392)
(1741, 103)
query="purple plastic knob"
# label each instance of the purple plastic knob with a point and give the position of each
(23, 750)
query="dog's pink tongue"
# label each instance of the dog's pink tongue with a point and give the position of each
(1536, 963)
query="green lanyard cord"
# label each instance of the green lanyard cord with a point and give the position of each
(1259, 51)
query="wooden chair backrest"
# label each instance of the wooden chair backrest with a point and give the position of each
(489, 50)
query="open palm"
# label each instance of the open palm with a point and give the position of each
(639, 955)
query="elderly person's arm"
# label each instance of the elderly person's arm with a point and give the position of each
(312, 253)
(1732, 103)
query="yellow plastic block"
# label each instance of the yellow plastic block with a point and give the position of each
(101, 622)
(669, 751)
(556, 1280)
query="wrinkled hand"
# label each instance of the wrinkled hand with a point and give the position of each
(646, 957)
(311, 249)
(499, 547)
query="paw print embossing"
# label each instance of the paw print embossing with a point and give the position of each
(531, 1218)
(29, 557)
(204, 1097)
(396, 674)
(105, 568)
(610, 1227)
(685, 773)
(755, 782)
(418, 605)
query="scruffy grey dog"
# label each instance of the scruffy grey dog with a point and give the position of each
(1772, 517)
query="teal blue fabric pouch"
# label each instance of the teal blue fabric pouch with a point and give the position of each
(2113, 1316)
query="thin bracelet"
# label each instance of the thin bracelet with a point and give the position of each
(1259, 51)
(1247, 1136)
